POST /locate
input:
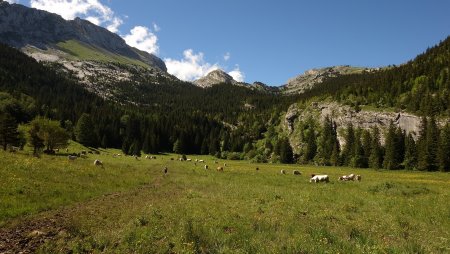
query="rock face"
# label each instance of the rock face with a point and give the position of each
(215, 77)
(21, 26)
(344, 115)
(310, 78)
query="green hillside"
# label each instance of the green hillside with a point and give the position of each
(81, 51)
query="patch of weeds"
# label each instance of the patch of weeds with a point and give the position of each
(141, 221)
(390, 188)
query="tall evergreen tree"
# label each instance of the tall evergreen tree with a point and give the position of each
(432, 145)
(84, 131)
(444, 149)
(286, 154)
(422, 151)
(410, 159)
(347, 152)
(376, 152)
(8, 130)
(390, 156)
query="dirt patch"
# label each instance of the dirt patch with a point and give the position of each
(26, 236)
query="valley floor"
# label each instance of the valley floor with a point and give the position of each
(52, 205)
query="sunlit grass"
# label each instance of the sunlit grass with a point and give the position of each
(240, 210)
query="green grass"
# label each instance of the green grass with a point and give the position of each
(193, 210)
(81, 51)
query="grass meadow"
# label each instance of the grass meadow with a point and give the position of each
(130, 206)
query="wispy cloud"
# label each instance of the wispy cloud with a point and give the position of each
(227, 56)
(12, 1)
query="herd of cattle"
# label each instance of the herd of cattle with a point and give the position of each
(315, 178)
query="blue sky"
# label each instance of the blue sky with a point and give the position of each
(265, 40)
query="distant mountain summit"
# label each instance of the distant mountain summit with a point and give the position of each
(38, 30)
(215, 77)
(310, 78)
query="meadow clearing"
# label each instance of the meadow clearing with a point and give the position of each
(53, 205)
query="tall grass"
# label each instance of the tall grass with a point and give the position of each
(241, 210)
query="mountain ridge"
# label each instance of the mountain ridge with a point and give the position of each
(22, 27)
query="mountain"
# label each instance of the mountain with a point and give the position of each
(215, 77)
(48, 34)
(310, 78)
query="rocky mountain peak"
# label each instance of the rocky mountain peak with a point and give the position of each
(215, 77)
(310, 78)
(21, 27)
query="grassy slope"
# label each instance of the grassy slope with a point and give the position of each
(82, 51)
(239, 210)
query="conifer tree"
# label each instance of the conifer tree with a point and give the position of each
(286, 154)
(422, 153)
(376, 155)
(390, 156)
(8, 130)
(444, 149)
(347, 152)
(410, 159)
(84, 131)
(335, 158)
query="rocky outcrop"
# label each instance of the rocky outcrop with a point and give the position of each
(21, 26)
(344, 115)
(215, 77)
(310, 78)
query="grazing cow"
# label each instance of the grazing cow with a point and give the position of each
(201, 160)
(220, 169)
(350, 177)
(83, 152)
(196, 160)
(206, 167)
(166, 170)
(296, 172)
(224, 164)
(153, 157)
(90, 152)
(188, 159)
(13, 149)
(283, 172)
(319, 178)
(98, 163)
(147, 157)
(358, 178)
(72, 157)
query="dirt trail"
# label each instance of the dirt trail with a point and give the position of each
(27, 235)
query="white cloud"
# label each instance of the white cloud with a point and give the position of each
(191, 67)
(92, 10)
(227, 56)
(142, 38)
(237, 74)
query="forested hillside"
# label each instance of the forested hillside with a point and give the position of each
(420, 86)
(222, 118)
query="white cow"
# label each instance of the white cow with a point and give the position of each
(319, 178)
(283, 172)
(72, 157)
(98, 163)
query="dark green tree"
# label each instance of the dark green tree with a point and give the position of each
(376, 151)
(286, 154)
(347, 152)
(390, 156)
(410, 160)
(84, 131)
(8, 130)
(444, 149)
